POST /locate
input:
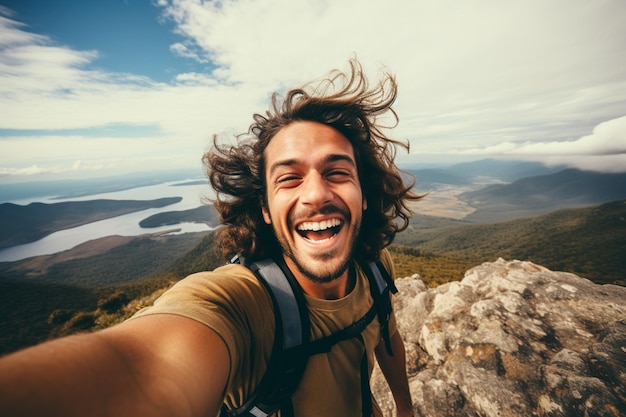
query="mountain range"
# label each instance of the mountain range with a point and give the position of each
(527, 189)
(543, 193)
(495, 190)
(65, 292)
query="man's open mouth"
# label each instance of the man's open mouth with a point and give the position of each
(318, 231)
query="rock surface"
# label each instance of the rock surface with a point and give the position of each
(512, 339)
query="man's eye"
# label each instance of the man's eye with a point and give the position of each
(287, 179)
(338, 174)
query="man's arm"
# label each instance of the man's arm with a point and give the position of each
(158, 365)
(394, 370)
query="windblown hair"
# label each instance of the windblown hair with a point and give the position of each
(345, 102)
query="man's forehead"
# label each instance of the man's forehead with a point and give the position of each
(302, 134)
(307, 142)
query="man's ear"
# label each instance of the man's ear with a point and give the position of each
(364, 203)
(266, 215)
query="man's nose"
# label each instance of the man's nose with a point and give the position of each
(315, 190)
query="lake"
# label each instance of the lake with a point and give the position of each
(192, 195)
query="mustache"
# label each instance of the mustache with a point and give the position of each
(325, 210)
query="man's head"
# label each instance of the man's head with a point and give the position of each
(341, 110)
(314, 200)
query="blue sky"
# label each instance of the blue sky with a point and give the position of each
(128, 35)
(98, 88)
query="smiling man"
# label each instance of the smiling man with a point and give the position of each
(312, 188)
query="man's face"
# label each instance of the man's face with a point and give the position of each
(314, 198)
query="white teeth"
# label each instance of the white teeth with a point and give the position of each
(317, 226)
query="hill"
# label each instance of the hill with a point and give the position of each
(588, 241)
(105, 262)
(94, 285)
(540, 194)
(23, 224)
(105, 281)
(26, 308)
(203, 214)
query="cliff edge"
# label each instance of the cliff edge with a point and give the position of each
(512, 339)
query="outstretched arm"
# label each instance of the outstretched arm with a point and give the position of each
(159, 365)
(394, 370)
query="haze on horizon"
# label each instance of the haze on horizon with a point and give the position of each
(92, 89)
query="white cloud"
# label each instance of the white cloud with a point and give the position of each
(12, 33)
(194, 78)
(184, 51)
(530, 79)
(602, 150)
(470, 73)
(78, 156)
(608, 138)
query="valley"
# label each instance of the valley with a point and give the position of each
(444, 201)
(104, 280)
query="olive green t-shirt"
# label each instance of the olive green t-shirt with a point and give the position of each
(234, 303)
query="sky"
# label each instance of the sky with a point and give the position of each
(101, 88)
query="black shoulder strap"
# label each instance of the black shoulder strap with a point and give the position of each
(289, 303)
(381, 284)
(288, 359)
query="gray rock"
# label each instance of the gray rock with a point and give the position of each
(512, 339)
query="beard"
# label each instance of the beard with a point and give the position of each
(323, 267)
(328, 271)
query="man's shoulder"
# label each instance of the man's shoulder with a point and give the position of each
(230, 283)
(229, 274)
(227, 291)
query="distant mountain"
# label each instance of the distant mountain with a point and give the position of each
(476, 173)
(428, 178)
(503, 170)
(540, 194)
(23, 224)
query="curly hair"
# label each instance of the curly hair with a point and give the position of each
(345, 102)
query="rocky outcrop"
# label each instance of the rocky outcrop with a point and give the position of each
(512, 339)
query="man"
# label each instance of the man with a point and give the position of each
(312, 185)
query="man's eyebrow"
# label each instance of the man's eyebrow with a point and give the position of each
(329, 159)
(340, 157)
(284, 163)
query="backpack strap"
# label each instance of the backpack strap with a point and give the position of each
(381, 284)
(325, 344)
(292, 333)
(288, 297)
